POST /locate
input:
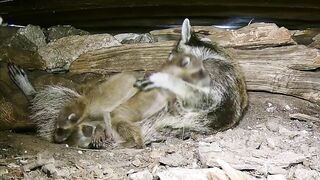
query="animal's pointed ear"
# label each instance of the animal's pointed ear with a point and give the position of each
(73, 117)
(186, 31)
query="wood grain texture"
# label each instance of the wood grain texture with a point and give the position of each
(256, 35)
(268, 69)
(271, 70)
(132, 57)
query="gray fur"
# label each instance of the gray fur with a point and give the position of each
(46, 105)
(203, 108)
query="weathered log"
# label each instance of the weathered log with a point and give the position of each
(257, 35)
(133, 57)
(57, 55)
(269, 69)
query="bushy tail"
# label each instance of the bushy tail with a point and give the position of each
(20, 78)
(162, 125)
(46, 105)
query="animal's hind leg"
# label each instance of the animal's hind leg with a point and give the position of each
(130, 132)
(20, 78)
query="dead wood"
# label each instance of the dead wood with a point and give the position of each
(257, 35)
(269, 69)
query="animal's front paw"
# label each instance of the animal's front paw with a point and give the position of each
(17, 74)
(156, 80)
(100, 139)
(144, 84)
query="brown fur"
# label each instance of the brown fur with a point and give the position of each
(91, 106)
(148, 103)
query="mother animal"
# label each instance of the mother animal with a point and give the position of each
(216, 101)
(207, 85)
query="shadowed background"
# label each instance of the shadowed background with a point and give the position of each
(144, 15)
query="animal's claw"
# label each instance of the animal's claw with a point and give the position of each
(143, 84)
(99, 139)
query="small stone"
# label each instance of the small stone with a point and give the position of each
(1, 20)
(3, 171)
(59, 54)
(155, 154)
(23, 162)
(131, 171)
(34, 34)
(63, 172)
(276, 177)
(287, 107)
(287, 132)
(132, 38)
(50, 170)
(13, 165)
(171, 149)
(80, 152)
(271, 109)
(174, 160)
(276, 170)
(136, 162)
(271, 143)
(29, 38)
(273, 125)
(56, 32)
(142, 175)
(109, 171)
(301, 173)
(315, 163)
(214, 146)
(284, 159)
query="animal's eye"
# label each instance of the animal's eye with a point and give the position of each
(60, 132)
(61, 135)
(185, 61)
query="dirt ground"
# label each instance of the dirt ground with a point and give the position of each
(266, 144)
